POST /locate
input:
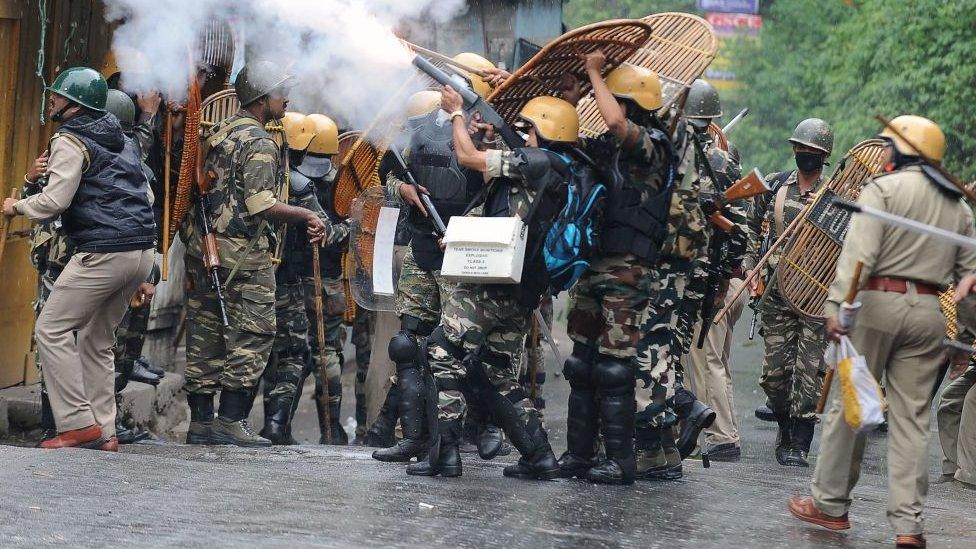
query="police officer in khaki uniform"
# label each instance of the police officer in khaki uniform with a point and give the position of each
(899, 329)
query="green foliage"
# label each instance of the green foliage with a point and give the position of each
(845, 64)
(577, 13)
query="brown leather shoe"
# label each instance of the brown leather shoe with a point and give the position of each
(909, 540)
(110, 445)
(78, 437)
(804, 509)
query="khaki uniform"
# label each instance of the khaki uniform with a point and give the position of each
(957, 408)
(900, 336)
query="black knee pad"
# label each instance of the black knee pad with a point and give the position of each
(402, 348)
(614, 376)
(578, 372)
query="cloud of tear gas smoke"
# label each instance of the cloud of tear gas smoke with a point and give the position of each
(343, 52)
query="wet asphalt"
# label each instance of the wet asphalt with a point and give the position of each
(171, 495)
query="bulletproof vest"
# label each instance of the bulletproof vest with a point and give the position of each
(110, 211)
(296, 253)
(546, 173)
(635, 221)
(435, 167)
(330, 257)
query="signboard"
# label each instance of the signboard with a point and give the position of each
(735, 24)
(729, 6)
(830, 219)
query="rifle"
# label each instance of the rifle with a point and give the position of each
(211, 256)
(473, 102)
(428, 204)
(760, 286)
(716, 247)
(749, 186)
(735, 120)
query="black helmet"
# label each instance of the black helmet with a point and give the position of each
(258, 79)
(814, 132)
(702, 101)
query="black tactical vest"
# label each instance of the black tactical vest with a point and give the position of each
(110, 211)
(435, 166)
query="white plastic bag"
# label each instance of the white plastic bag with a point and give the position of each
(860, 394)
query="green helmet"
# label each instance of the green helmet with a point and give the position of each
(81, 85)
(702, 101)
(258, 79)
(814, 132)
(120, 104)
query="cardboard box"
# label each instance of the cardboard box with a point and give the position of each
(484, 249)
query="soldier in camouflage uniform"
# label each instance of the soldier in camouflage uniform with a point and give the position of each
(362, 341)
(246, 168)
(794, 357)
(609, 300)
(291, 353)
(483, 326)
(661, 398)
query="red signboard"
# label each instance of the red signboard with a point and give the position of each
(735, 24)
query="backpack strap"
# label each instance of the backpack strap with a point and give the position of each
(779, 204)
(222, 133)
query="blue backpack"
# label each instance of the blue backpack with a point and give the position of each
(572, 238)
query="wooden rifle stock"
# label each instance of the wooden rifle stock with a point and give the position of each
(749, 186)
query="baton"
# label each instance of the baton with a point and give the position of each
(544, 328)
(906, 223)
(326, 416)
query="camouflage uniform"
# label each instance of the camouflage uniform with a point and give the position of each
(248, 175)
(794, 357)
(362, 338)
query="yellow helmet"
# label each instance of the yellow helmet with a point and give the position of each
(298, 130)
(554, 119)
(475, 61)
(326, 140)
(423, 102)
(636, 83)
(920, 132)
(110, 65)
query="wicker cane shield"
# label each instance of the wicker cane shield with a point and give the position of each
(679, 50)
(806, 268)
(358, 169)
(541, 75)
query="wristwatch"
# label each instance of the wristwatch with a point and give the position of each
(457, 113)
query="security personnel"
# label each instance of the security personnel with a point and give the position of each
(317, 167)
(291, 353)
(610, 297)
(899, 328)
(957, 403)
(483, 326)
(794, 345)
(666, 329)
(247, 175)
(97, 185)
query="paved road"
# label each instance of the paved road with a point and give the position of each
(314, 496)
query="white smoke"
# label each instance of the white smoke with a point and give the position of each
(346, 58)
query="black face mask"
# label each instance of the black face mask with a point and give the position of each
(809, 162)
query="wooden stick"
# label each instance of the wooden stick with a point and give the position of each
(6, 227)
(444, 58)
(326, 416)
(167, 183)
(934, 164)
(829, 376)
(534, 357)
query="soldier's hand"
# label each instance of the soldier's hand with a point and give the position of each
(753, 282)
(570, 88)
(496, 77)
(965, 287)
(8, 207)
(595, 60)
(38, 169)
(476, 125)
(834, 329)
(316, 229)
(149, 102)
(143, 295)
(411, 196)
(451, 100)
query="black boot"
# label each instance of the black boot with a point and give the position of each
(652, 462)
(801, 436)
(489, 440)
(339, 436)
(277, 421)
(142, 374)
(360, 439)
(783, 438)
(537, 461)
(230, 426)
(671, 454)
(403, 350)
(765, 413)
(615, 379)
(381, 433)
(201, 418)
(581, 422)
(695, 417)
(443, 457)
